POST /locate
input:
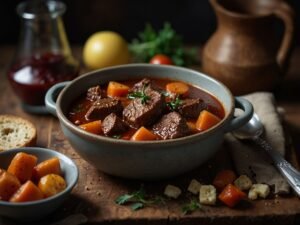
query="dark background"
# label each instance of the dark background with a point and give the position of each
(193, 19)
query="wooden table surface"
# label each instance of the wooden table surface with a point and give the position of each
(95, 192)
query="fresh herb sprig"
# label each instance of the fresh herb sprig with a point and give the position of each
(190, 207)
(139, 94)
(165, 41)
(173, 105)
(138, 199)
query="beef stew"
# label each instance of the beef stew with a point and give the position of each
(165, 108)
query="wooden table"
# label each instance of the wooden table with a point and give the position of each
(95, 193)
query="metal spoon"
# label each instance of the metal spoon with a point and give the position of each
(252, 130)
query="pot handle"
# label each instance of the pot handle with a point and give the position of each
(241, 120)
(51, 96)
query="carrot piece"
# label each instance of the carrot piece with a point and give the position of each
(22, 166)
(178, 88)
(92, 127)
(27, 192)
(223, 178)
(192, 126)
(9, 184)
(115, 89)
(46, 167)
(206, 120)
(51, 184)
(143, 134)
(231, 195)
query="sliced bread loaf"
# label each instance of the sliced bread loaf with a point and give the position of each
(16, 132)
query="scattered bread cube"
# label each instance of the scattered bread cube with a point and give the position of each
(172, 191)
(194, 186)
(207, 195)
(258, 190)
(243, 182)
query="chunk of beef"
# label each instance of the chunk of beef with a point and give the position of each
(94, 93)
(144, 85)
(103, 107)
(170, 126)
(191, 108)
(112, 125)
(138, 114)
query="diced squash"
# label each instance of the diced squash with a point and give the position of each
(92, 127)
(22, 166)
(223, 178)
(115, 89)
(27, 192)
(9, 184)
(206, 120)
(231, 195)
(178, 88)
(143, 134)
(51, 184)
(46, 167)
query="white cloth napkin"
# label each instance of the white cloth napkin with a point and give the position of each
(248, 158)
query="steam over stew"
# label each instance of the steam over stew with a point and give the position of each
(155, 109)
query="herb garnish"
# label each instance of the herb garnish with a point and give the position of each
(138, 199)
(192, 206)
(173, 105)
(165, 41)
(140, 94)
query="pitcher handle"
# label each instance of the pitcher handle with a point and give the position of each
(284, 12)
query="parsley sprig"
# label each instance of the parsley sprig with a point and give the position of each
(138, 199)
(190, 207)
(140, 94)
(165, 41)
(173, 105)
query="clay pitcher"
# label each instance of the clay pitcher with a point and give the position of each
(244, 52)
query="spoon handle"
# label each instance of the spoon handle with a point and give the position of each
(285, 168)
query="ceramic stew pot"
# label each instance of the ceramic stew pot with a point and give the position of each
(146, 159)
(244, 52)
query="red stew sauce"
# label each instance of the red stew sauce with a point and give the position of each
(178, 121)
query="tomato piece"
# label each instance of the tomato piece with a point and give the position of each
(224, 178)
(231, 195)
(161, 59)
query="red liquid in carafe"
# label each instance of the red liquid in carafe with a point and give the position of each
(32, 77)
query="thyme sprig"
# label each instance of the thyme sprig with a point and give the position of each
(173, 105)
(138, 199)
(190, 207)
(140, 94)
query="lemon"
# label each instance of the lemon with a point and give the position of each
(105, 48)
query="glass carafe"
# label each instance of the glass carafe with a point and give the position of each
(43, 56)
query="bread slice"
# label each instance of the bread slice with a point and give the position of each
(16, 132)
